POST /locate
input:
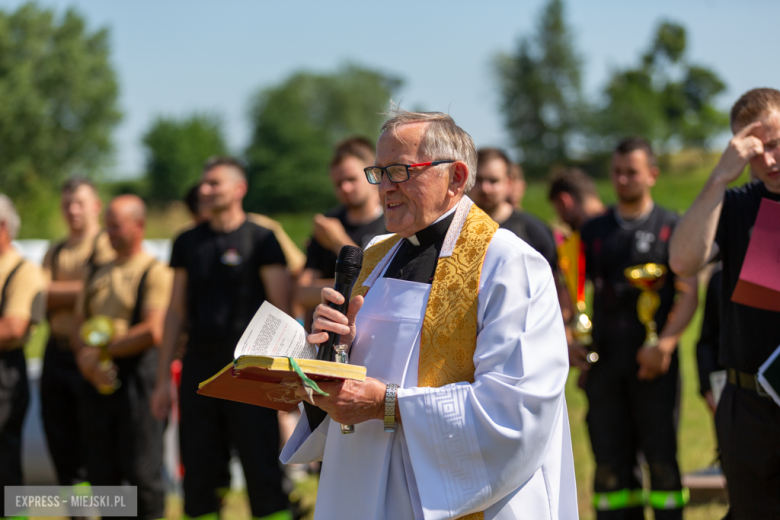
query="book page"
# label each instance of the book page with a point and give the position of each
(274, 333)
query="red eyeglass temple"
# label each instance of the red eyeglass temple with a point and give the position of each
(420, 164)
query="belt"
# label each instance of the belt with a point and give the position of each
(746, 381)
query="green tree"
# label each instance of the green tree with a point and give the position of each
(295, 126)
(541, 93)
(665, 99)
(59, 105)
(176, 150)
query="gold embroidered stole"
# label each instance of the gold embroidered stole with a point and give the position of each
(449, 331)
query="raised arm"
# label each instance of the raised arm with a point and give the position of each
(693, 243)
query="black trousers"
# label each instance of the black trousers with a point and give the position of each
(124, 440)
(14, 399)
(748, 428)
(62, 389)
(209, 427)
(626, 414)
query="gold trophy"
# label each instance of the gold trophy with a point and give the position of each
(648, 278)
(572, 262)
(98, 331)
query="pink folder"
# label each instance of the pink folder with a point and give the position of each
(759, 280)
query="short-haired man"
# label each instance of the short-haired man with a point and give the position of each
(224, 269)
(575, 199)
(124, 440)
(356, 221)
(22, 289)
(66, 265)
(491, 192)
(574, 196)
(719, 223)
(632, 390)
(462, 414)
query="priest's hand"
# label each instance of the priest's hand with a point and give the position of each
(330, 320)
(350, 402)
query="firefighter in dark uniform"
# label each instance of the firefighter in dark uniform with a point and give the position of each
(719, 224)
(21, 304)
(223, 271)
(632, 389)
(124, 440)
(66, 265)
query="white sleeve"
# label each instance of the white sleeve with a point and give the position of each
(303, 446)
(473, 444)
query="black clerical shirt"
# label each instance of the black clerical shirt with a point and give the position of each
(418, 263)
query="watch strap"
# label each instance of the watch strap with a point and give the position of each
(390, 404)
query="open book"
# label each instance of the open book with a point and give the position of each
(261, 373)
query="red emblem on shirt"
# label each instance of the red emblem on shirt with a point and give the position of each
(666, 231)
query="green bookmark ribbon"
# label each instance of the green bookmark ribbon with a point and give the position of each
(308, 385)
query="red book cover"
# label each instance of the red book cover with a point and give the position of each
(269, 382)
(759, 280)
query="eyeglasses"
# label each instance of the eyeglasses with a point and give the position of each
(396, 172)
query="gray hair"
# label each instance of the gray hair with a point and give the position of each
(443, 139)
(9, 216)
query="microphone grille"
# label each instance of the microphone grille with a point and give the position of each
(350, 260)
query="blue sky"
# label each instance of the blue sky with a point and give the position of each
(174, 57)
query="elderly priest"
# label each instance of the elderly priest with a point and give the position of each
(457, 322)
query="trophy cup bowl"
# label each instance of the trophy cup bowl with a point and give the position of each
(98, 331)
(648, 278)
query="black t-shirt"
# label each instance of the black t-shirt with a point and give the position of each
(323, 259)
(224, 289)
(535, 233)
(748, 335)
(709, 340)
(609, 249)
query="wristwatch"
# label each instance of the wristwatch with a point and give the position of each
(390, 399)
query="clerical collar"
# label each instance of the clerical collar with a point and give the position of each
(435, 232)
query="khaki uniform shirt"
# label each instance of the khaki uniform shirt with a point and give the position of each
(72, 265)
(113, 289)
(25, 294)
(294, 256)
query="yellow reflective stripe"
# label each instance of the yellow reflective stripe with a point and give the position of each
(279, 515)
(669, 499)
(621, 499)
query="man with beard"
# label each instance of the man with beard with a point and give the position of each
(492, 192)
(224, 269)
(632, 390)
(719, 223)
(66, 265)
(355, 222)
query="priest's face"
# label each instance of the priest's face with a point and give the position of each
(415, 204)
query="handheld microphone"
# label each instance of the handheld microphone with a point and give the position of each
(348, 266)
